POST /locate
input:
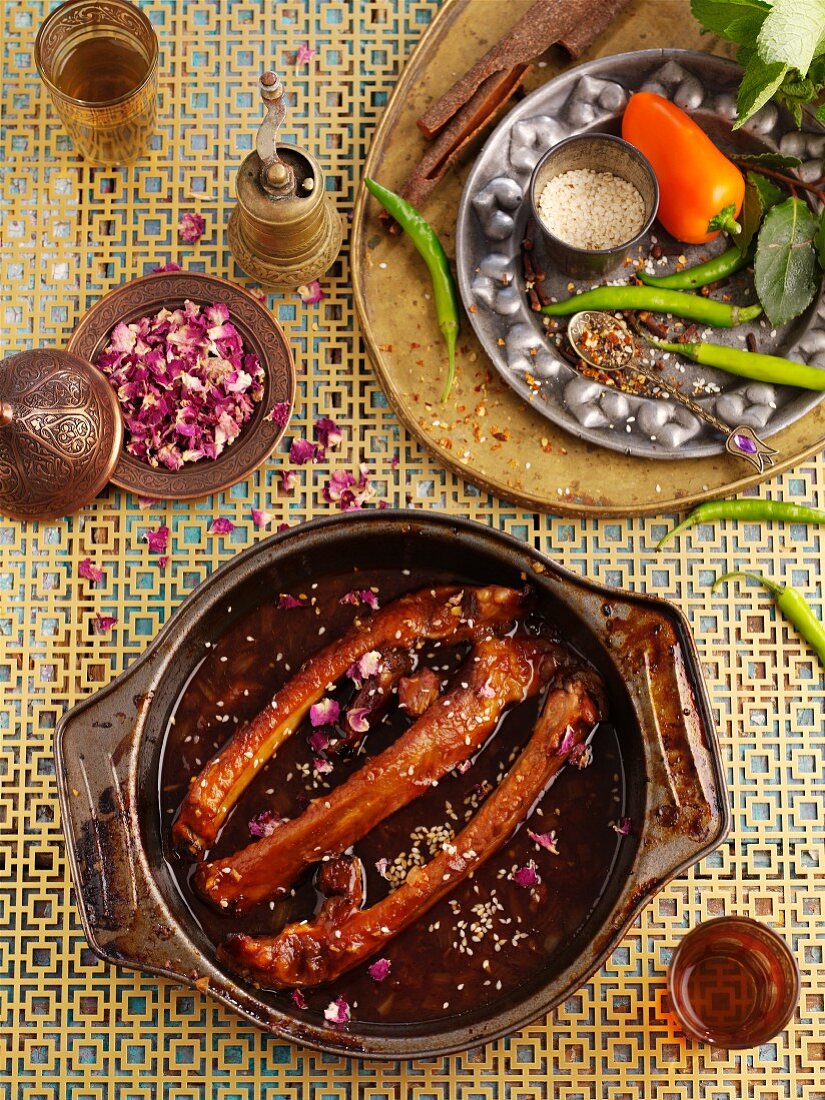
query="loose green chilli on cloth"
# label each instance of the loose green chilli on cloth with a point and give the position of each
(430, 248)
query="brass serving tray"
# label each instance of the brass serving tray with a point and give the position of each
(486, 433)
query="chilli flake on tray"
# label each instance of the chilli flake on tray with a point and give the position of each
(185, 383)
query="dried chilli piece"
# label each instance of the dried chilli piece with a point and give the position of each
(185, 383)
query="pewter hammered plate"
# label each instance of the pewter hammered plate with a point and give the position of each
(491, 224)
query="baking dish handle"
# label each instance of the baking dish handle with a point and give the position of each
(124, 916)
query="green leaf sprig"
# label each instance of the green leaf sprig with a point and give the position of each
(781, 49)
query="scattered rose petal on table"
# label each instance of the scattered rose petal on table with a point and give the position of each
(220, 525)
(170, 266)
(394, 461)
(288, 480)
(147, 502)
(347, 491)
(544, 840)
(261, 518)
(379, 970)
(163, 561)
(104, 623)
(328, 433)
(325, 712)
(303, 450)
(304, 54)
(338, 1011)
(158, 540)
(265, 824)
(191, 227)
(311, 293)
(90, 572)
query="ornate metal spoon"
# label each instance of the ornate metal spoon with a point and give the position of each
(606, 343)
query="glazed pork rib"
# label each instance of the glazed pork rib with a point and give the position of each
(343, 934)
(452, 614)
(496, 673)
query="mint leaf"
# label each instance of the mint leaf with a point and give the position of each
(758, 85)
(720, 16)
(819, 241)
(785, 270)
(766, 160)
(760, 195)
(791, 32)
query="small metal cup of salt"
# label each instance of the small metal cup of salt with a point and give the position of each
(602, 153)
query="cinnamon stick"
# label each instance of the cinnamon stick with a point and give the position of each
(488, 100)
(575, 24)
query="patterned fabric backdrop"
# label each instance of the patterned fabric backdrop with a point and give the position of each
(73, 1029)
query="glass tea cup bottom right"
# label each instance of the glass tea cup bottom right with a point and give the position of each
(733, 982)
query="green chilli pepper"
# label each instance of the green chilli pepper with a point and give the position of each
(706, 311)
(747, 364)
(754, 510)
(709, 272)
(793, 606)
(425, 239)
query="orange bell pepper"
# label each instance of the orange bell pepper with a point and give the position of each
(697, 183)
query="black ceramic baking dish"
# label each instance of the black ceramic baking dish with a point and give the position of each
(108, 751)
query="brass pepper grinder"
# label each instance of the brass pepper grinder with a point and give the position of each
(285, 230)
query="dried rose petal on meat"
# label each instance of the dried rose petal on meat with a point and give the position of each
(361, 596)
(338, 1011)
(379, 970)
(89, 571)
(544, 840)
(525, 876)
(321, 765)
(191, 227)
(220, 525)
(623, 826)
(366, 666)
(357, 719)
(381, 866)
(265, 823)
(324, 713)
(319, 740)
(285, 601)
(298, 999)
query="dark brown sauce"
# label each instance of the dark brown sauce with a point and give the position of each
(238, 676)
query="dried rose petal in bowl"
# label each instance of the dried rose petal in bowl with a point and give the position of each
(199, 364)
(185, 382)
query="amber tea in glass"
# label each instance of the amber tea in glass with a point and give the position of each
(98, 58)
(733, 982)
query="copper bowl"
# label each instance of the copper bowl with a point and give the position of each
(109, 748)
(261, 333)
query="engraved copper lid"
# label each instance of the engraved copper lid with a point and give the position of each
(60, 434)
